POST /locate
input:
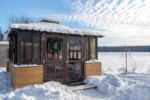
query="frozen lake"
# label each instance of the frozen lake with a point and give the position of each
(114, 62)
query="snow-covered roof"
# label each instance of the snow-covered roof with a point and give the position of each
(4, 43)
(56, 28)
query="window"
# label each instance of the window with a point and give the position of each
(74, 49)
(13, 49)
(86, 48)
(28, 51)
(90, 48)
(26, 48)
(30, 48)
(22, 51)
(36, 48)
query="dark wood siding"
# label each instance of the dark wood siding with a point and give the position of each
(25, 47)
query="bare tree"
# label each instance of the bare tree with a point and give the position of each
(17, 20)
(20, 20)
(126, 50)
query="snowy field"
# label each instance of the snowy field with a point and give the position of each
(112, 85)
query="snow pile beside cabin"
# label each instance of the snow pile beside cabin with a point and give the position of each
(46, 91)
(55, 28)
(5, 83)
(122, 87)
(4, 43)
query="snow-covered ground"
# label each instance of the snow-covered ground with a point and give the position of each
(112, 85)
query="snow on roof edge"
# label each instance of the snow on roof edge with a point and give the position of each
(26, 65)
(92, 61)
(57, 28)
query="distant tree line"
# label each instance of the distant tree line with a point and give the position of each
(124, 48)
(19, 20)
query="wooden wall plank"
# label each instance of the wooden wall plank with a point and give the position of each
(24, 76)
(92, 69)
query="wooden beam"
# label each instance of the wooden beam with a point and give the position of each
(89, 88)
(18, 51)
(96, 44)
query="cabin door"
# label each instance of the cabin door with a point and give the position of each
(62, 58)
(54, 58)
(74, 59)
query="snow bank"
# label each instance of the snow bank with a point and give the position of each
(47, 91)
(2, 69)
(121, 87)
(5, 83)
(106, 85)
(110, 87)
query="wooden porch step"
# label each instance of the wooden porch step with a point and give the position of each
(85, 88)
(78, 86)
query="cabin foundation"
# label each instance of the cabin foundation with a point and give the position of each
(25, 76)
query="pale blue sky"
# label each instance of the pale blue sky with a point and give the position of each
(34, 9)
(123, 22)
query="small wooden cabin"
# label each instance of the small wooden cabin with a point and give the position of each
(62, 50)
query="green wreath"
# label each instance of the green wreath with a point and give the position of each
(51, 44)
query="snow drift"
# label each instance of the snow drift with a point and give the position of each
(122, 87)
(110, 87)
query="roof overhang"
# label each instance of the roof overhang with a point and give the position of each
(54, 28)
